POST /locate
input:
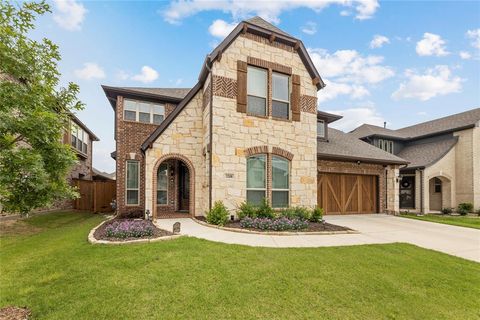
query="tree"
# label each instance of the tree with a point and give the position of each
(34, 114)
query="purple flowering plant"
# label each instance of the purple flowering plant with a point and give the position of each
(274, 224)
(129, 229)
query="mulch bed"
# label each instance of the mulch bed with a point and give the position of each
(14, 313)
(312, 227)
(100, 233)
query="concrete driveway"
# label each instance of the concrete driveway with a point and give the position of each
(372, 229)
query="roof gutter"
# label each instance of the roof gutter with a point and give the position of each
(362, 159)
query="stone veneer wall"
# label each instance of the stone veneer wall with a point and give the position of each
(387, 185)
(467, 160)
(234, 132)
(184, 137)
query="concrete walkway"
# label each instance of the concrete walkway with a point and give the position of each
(373, 228)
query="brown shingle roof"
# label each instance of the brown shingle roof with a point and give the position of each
(266, 25)
(179, 93)
(424, 154)
(342, 145)
(450, 123)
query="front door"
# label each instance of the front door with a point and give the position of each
(407, 192)
(184, 188)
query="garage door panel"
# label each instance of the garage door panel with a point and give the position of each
(347, 193)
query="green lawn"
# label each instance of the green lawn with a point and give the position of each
(462, 221)
(49, 266)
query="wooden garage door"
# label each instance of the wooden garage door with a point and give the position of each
(347, 193)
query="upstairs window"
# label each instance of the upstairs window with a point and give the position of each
(79, 139)
(145, 112)
(321, 129)
(385, 145)
(256, 91)
(280, 96)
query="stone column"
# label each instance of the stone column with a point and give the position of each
(393, 192)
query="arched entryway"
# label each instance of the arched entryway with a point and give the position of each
(439, 193)
(173, 187)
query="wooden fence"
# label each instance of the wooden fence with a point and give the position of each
(95, 196)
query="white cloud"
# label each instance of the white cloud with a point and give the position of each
(69, 14)
(431, 45)
(147, 75)
(421, 113)
(350, 66)
(434, 82)
(356, 116)
(268, 10)
(334, 89)
(309, 28)
(474, 35)
(345, 13)
(465, 55)
(378, 41)
(122, 75)
(89, 71)
(220, 28)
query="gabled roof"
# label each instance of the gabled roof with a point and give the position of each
(455, 122)
(330, 117)
(422, 155)
(75, 119)
(266, 25)
(174, 95)
(343, 146)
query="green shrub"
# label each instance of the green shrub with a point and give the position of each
(218, 215)
(447, 210)
(478, 211)
(301, 213)
(264, 210)
(317, 215)
(246, 210)
(464, 208)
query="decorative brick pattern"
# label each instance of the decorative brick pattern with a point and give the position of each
(256, 150)
(224, 87)
(308, 104)
(282, 153)
(206, 96)
(269, 65)
(264, 40)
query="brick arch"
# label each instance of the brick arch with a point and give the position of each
(191, 171)
(256, 150)
(282, 153)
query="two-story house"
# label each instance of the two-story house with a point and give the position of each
(248, 130)
(443, 156)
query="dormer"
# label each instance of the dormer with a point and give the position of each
(323, 119)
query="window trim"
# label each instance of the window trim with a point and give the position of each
(289, 92)
(265, 189)
(437, 183)
(325, 130)
(126, 183)
(84, 141)
(166, 188)
(137, 111)
(289, 178)
(266, 91)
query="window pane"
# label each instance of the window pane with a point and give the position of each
(255, 197)
(279, 173)
(157, 119)
(84, 148)
(257, 106)
(162, 178)
(279, 199)
(132, 175)
(161, 197)
(144, 117)
(144, 107)
(321, 129)
(130, 105)
(74, 141)
(158, 109)
(132, 196)
(130, 115)
(280, 109)
(79, 144)
(280, 87)
(256, 172)
(257, 82)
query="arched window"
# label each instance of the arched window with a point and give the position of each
(256, 178)
(162, 184)
(280, 182)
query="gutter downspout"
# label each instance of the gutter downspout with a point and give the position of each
(210, 146)
(421, 192)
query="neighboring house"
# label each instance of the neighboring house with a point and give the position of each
(248, 130)
(443, 156)
(102, 175)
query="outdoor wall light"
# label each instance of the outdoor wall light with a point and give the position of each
(232, 217)
(147, 214)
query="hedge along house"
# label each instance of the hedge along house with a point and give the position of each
(444, 156)
(248, 130)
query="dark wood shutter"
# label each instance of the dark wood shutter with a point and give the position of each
(241, 86)
(295, 97)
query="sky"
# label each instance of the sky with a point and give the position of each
(399, 62)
